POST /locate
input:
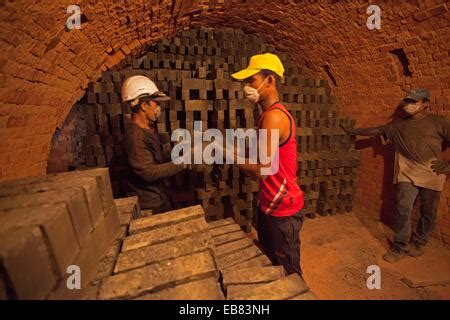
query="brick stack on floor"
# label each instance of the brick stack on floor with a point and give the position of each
(327, 159)
(67, 143)
(195, 69)
(166, 256)
(178, 256)
(248, 274)
(48, 224)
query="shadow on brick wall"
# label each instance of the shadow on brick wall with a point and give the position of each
(388, 191)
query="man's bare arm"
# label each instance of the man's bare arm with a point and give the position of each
(274, 120)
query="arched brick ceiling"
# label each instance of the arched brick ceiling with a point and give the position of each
(44, 68)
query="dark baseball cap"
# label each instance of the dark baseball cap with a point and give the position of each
(418, 94)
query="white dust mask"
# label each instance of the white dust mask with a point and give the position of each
(158, 112)
(411, 108)
(252, 94)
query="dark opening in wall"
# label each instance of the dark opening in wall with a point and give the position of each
(327, 70)
(84, 19)
(401, 55)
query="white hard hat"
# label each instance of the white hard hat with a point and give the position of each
(137, 86)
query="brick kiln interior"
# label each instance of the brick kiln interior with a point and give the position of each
(60, 111)
(194, 69)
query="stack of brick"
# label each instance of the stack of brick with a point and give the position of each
(233, 248)
(127, 209)
(178, 256)
(327, 159)
(167, 256)
(248, 274)
(265, 283)
(48, 224)
(195, 69)
(67, 143)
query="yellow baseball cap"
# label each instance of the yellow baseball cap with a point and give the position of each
(266, 61)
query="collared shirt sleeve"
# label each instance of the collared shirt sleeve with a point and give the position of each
(387, 134)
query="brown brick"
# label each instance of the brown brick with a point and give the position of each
(158, 276)
(168, 250)
(100, 241)
(225, 229)
(233, 246)
(75, 201)
(125, 218)
(129, 206)
(100, 174)
(101, 269)
(105, 266)
(91, 191)
(171, 232)
(204, 289)
(284, 288)
(56, 225)
(26, 261)
(166, 219)
(229, 237)
(103, 181)
(128, 201)
(258, 261)
(252, 275)
(221, 223)
(237, 257)
(88, 186)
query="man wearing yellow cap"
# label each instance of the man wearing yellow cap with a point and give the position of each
(280, 197)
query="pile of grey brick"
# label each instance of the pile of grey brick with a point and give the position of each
(48, 224)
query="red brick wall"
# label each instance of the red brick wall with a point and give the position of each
(66, 144)
(44, 69)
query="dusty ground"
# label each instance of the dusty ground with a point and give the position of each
(337, 250)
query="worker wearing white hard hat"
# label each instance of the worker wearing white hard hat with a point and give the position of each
(148, 164)
(142, 94)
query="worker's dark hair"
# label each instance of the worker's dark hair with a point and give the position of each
(142, 99)
(265, 73)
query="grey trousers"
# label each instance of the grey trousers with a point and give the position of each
(407, 194)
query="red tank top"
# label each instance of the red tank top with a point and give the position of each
(279, 194)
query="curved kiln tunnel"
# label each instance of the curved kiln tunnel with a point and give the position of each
(53, 221)
(194, 68)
